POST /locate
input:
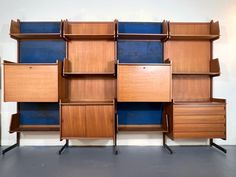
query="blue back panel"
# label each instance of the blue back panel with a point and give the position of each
(139, 113)
(39, 113)
(134, 51)
(140, 51)
(40, 27)
(140, 27)
(40, 51)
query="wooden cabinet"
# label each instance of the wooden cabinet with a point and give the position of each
(87, 120)
(31, 82)
(198, 120)
(144, 83)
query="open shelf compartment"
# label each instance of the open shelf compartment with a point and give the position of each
(15, 126)
(194, 31)
(35, 30)
(89, 30)
(142, 30)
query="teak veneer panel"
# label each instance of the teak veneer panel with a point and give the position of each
(31, 83)
(100, 121)
(90, 28)
(144, 83)
(91, 56)
(91, 87)
(73, 121)
(188, 56)
(206, 134)
(191, 88)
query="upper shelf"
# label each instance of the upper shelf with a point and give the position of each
(214, 70)
(142, 30)
(35, 30)
(89, 30)
(194, 31)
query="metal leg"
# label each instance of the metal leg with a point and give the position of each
(217, 146)
(14, 145)
(63, 147)
(115, 149)
(165, 145)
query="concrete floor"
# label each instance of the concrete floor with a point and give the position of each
(131, 162)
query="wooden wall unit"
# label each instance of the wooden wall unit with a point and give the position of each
(105, 61)
(89, 69)
(194, 113)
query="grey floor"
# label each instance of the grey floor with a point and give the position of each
(131, 162)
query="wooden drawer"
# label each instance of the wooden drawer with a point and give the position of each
(206, 134)
(194, 109)
(199, 127)
(31, 82)
(199, 119)
(87, 120)
(144, 83)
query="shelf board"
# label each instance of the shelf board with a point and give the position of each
(197, 73)
(146, 64)
(88, 102)
(193, 37)
(23, 128)
(142, 36)
(90, 36)
(88, 73)
(141, 128)
(35, 35)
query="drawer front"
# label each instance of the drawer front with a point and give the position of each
(199, 110)
(199, 127)
(199, 135)
(31, 83)
(199, 119)
(144, 83)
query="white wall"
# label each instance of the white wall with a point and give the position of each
(124, 10)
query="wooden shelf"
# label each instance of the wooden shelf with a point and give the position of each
(197, 73)
(89, 30)
(88, 73)
(141, 128)
(88, 102)
(209, 102)
(134, 36)
(49, 32)
(194, 31)
(193, 37)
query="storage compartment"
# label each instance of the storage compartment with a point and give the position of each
(87, 119)
(144, 82)
(198, 120)
(31, 82)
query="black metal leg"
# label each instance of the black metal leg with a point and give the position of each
(217, 146)
(165, 145)
(63, 147)
(14, 145)
(115, 149)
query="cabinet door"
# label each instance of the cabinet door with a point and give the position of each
(30, 83)
(100, 121)
(72, 121)
(144, 83)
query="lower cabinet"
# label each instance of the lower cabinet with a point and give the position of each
(197, 120)
(87, 121)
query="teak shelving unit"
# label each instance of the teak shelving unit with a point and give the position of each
(35, 81)
(194, 113)
(90, 80)
(89, 68)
